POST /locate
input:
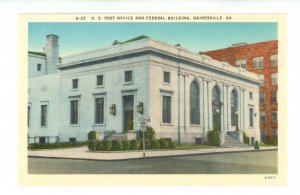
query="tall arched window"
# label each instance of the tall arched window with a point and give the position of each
(194, 103)
(216, 108)
(216, 94)
(234, 108)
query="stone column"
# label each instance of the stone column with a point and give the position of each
(184, 103)
(240, 108)
(209, 103)
(201, 103)
(205, 106)
(229, 89)
(226, 107)
(223, 108)
(244, 106)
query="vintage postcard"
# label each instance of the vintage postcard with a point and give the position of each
(152, 99)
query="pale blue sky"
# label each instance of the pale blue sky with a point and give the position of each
(80, 37)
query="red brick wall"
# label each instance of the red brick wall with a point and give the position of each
(250, 51)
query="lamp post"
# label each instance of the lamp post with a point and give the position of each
(143, 122)
(143, 130)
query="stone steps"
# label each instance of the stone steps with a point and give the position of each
(232, 143)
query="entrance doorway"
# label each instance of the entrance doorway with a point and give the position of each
(128, 113)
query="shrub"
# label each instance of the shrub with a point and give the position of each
(99, 146)
(270, 141)
(116, 145)
(134, 144)
(55, 145)
(92, 145)
(256, 146)
(246, 139)
(163, 143)
(172, 144)
(154, 144)
(92, 135)
(106, 145)
(149, 133)
(213, 138)
(125, 145)
(147, 144)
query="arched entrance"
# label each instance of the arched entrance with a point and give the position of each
(216, 108)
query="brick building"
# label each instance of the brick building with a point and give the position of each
(260, 58)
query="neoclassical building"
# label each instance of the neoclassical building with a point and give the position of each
(185, 94)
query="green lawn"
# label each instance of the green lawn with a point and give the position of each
(194, 147)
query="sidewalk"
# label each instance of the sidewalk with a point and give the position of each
(82, 153)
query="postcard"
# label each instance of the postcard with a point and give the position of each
(152, 99)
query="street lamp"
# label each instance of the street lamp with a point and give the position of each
(112, 109)
(140, 108)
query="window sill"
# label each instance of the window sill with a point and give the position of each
(128, 83)
(194, 125)
(97, 125)
(43, 127)
(74, 90)
(99, 86)
(257, 68)
(75, 125)
(166, 124)
(164, 83)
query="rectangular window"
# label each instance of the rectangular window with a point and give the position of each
(39, 67)
(261, 78)
(273, 59)
(75, 84)
(28, 116)
(251, 95)
(99, 110)
(99, 80)
(274, 132)
(251, 117)
(258, 62)
(74, 112)
(274, 97)
(274, 116)
(166, 109)
(128, 76)
(263, 134)
(242, 63)
(274, 79)
(261, 97)
(166, 77)
(262, 116)
(43, 115)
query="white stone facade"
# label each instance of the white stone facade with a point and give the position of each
(148, 59)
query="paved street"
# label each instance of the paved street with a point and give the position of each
(262, 162)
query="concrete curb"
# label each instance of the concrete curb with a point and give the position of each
(83, 154)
